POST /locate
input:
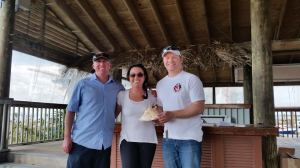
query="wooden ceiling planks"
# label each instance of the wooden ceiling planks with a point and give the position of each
(93, 19)
(120, 26)
(241, 26)
(68, 16)
(219, 19)
(40, 33)
(291, 23)
(160, 22)
(197, 22)
(133, 12)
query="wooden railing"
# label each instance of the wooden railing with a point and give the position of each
(31, 122)
(238, 113)
(288, 121)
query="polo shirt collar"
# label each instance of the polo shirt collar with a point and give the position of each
(110, 79)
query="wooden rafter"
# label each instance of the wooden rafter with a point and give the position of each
(203, 19)
(64, 9)
(138, 21)
(281, 16)
(65, 30)
(230, 19)
(159, 21)
(182, 21)
(117, 21)
(93, 17)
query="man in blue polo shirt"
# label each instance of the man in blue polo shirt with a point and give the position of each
(90, 119)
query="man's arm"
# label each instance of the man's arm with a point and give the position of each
(67, 144)
(118, 110)
(193, 109)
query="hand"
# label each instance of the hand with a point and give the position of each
(156, 121)
(165, 116)
(67, 145)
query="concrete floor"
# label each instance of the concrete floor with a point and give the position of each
(290, 143)
(46, 148)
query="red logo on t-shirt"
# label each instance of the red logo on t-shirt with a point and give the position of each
(177, 87)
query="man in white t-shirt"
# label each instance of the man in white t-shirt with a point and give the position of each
(181, 96)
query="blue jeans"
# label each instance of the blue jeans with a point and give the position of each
(181, 153)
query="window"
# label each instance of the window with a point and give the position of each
(228, 95)
(287, 96)
(208, 91)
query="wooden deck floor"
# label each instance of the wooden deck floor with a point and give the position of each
(54, 148)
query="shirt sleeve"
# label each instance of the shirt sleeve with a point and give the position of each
(196, 91)
(74, 102)
(152, 99)
(120, 98)
(158, 100)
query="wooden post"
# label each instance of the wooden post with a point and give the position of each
(214, 94)
(263, 101)
(247, 85)
(7, 15)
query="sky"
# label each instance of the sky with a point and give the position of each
(38, 80)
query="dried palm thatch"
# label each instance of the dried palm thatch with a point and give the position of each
(203, 56)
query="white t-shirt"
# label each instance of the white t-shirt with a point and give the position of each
(176, 93)
(134, 130)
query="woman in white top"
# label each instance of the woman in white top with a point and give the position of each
(138, 138)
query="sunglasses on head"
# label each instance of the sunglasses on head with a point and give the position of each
(138, 75)
(171, 47)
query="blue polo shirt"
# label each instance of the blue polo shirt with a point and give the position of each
(94, 103)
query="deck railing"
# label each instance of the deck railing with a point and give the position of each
(237, 113)
(288, 121)
(32, 122)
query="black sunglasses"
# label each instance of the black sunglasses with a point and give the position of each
(171, 47)
(138, 75)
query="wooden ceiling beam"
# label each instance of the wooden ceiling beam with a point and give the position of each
(26, 44)
(182, 22)
(278, 45)
(62, 10)
(159, 21)
(83, 4)
(117, 21)
(280, 19)
(138, 21)
(203, 19)
(286, 45)
(285, 53)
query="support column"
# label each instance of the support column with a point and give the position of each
(7, 15)
(247, 86)
(263, 100)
